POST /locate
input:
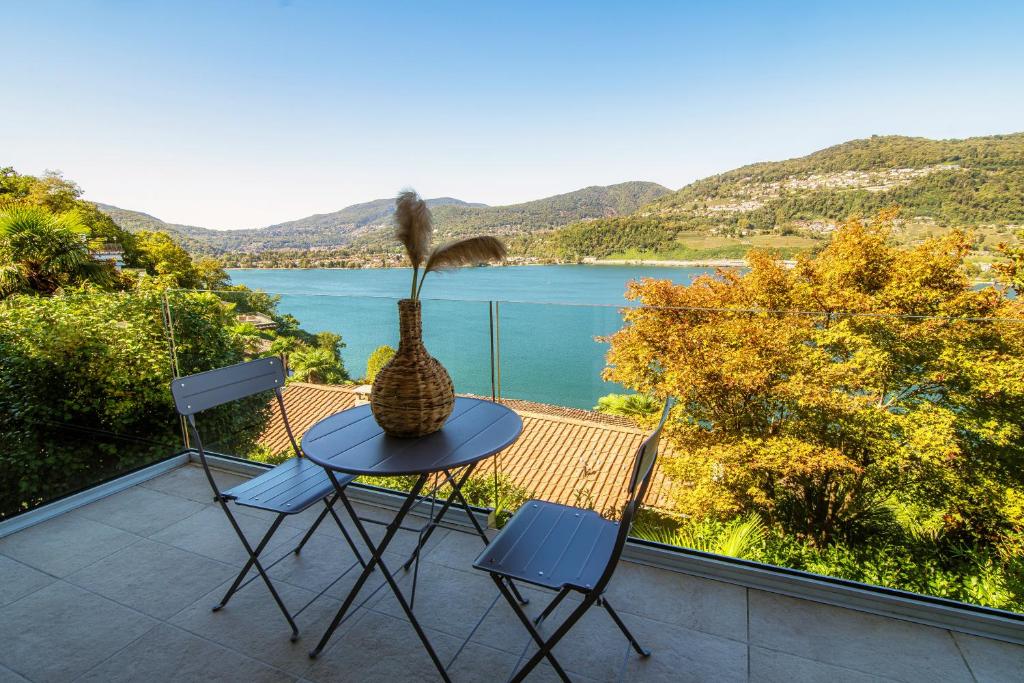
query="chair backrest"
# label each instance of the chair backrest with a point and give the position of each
(639, 482)
(202, 391)
(205, 390)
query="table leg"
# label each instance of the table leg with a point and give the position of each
(457, 493)
(376, 558)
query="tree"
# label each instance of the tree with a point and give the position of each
(58, 195)
(53, 192)
(380, 357)
(210, 274)
(42, 253)
(868, 382)
(164, 258)
(317, 365)
(285, 346)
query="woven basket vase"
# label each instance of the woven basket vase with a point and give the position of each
(412, 395)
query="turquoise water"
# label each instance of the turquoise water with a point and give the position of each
(548, 320)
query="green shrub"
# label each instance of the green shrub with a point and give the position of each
(907, 560)
(377, 360)
(84, 388)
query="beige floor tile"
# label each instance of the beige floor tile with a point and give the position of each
(61, 631)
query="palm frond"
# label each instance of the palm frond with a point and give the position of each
(413, 226)
(741, 537)
(12, 279)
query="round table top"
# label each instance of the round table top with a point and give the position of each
(352, 442)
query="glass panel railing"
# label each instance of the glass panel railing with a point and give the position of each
(579, 432)
(332, 346)
(555, 353)
(83, 393)
(875, 448)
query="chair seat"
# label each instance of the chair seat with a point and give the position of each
(551, 545)
(290, 487)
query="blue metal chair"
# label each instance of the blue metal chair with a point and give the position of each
(567, 549)
(287, 489)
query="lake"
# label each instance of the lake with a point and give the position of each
(548, 320)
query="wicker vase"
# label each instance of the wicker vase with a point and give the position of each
(412, 395)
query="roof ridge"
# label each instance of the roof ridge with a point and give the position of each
(523, 406)
(632, 429)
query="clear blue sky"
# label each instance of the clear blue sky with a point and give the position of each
(241, 114)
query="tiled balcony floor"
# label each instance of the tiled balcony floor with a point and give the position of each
(121, 590)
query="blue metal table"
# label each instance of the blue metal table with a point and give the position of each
(351, 442)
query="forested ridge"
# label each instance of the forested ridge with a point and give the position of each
(790, 206)
(976, 183)
(367, 226)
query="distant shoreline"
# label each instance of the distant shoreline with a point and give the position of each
(670, 263)
(698, 263)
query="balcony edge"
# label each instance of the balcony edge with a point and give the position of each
(92, 494)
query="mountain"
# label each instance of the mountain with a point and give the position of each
(134, 221)
(318, 230)
(368, 224)
(326, 229)
(977, 183)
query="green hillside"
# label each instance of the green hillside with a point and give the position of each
(356, 216)
(192, 237)
(976, 183)
(367, 226)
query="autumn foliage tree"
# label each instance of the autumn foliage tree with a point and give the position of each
(868, 384)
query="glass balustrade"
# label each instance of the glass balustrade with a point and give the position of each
(879, 449)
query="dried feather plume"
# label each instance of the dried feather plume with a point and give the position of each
(466, 252)
(414, 228)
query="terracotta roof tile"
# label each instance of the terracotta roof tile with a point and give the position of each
(565, 455)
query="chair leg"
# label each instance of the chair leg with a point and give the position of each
(329, 509)
(622, 627)
(309, 533)
(544, 650)
(344, 531)
(254, 562)
(252, 555)
(547, 645)
(551, 606)
(519, 596)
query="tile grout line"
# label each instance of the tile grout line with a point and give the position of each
(231, 648)
(956, 644)
(26, 564)
(17, 673)
(89, 564)
(158, 620)
(625, 664)
(138, 537)
(833, 665)
(68, 580)
(474, 630)
(746, 600)
(118, 650)
(64, 579)
(519, 662)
